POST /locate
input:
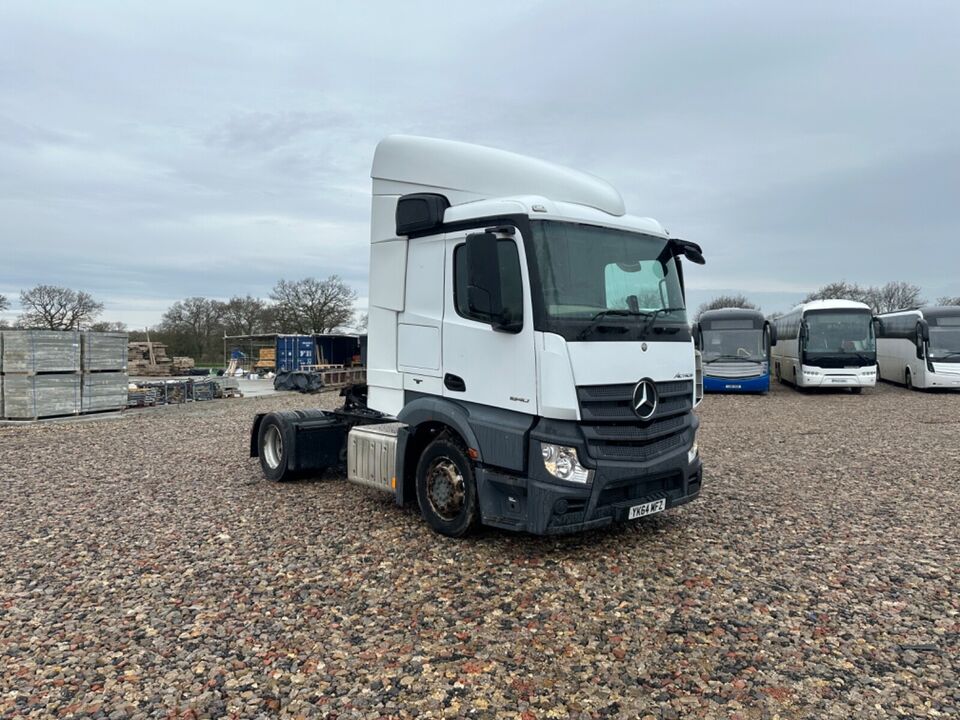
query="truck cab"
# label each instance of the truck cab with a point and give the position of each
(530, 365)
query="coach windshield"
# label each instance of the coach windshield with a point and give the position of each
(945, 340)
(839, 338)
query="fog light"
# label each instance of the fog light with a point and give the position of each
(562, 462)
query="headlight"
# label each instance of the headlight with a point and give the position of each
(692, 452)
(562, 462)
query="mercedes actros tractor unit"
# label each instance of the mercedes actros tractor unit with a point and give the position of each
(530, 365)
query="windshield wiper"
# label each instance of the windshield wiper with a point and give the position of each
(731, 357)
(653, 318)
(944, 357)
(616, 312)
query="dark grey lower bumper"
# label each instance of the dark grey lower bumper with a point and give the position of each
(545, 506)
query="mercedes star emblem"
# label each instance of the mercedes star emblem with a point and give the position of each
(645, 399)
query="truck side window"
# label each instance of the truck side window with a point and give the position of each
(511, 283)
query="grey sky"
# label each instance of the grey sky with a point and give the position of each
(151, 151)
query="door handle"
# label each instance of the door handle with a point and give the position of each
(454, 383)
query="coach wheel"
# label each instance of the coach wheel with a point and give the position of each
(908, 379)
(776, 371)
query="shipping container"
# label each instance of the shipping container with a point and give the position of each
(295, 351)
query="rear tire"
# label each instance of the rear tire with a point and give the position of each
(274, 441)
(447, 488)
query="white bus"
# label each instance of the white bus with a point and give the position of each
(920, 348)
(826, 343)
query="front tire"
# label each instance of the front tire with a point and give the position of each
(908, 379)
(447, 488)
(856, 390)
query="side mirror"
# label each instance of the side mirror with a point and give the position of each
(483, 277)
(923, 336)
(697, 337)
(690, 250)
(803, 333)
(772, 329)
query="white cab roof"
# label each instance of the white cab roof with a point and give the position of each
(466, 173)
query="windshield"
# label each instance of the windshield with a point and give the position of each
(842, 335)
(733, 345)
(944, 344)
(612, 285)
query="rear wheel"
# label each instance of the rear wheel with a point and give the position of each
(447, 489)
(274, 442)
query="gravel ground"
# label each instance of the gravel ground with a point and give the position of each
(146, 570)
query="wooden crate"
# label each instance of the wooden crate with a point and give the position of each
(103, 391)
(28, 397)
(40, 351)
(103, 352)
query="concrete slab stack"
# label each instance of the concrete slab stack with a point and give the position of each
(29, 352)
(104, 351)
(51, 373)
(105, 381)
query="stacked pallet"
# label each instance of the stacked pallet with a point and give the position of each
(182, 365)
(104, 362)
(39, 374)
(148, 359)
(53, 373)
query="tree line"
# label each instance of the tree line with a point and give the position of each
(894, 295)
(195, 326)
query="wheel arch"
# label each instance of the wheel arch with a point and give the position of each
(426, 419)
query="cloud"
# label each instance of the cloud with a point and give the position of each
(179, 149)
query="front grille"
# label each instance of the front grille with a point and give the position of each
(614, 432)
(733, 370)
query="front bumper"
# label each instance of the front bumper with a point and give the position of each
(838, 378)
(542, 505)
(756, 384)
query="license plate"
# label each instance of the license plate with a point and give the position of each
(638, 511)
(840, 380)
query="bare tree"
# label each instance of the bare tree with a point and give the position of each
(107, 326)
(840, 290)
(895, 295)
(363, 319)
(246, 315)
(4, 303)
(313, 306)
(947, 300)
(727, 301)
(57, 308)
(193, 325)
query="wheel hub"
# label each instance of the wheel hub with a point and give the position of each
(445, 488)
(273, 447)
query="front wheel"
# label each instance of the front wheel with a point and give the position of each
(856, 390)
(447, 488)
(908, 379)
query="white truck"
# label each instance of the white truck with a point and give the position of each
(530, 365)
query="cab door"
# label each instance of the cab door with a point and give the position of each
(480, 364)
